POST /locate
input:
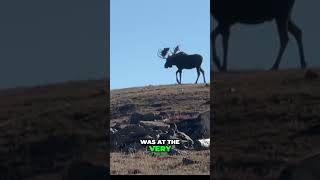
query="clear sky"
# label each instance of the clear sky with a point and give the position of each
(139, 28)
(44, 42)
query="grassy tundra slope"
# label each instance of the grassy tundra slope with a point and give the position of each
(265, 120)
(44, 128)
(177, 100)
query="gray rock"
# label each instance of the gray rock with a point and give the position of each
(184, 136)
(147, 137)
(196, 128)
(126, 109)
(184, 144)
(204, 118)
(168, 136)
(127, 136)
(156, 125)
(149, 117)
(202, 144)
(155, 134)
(134, 131)
(135, 118)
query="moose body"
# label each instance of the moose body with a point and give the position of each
(229, 12)
(183, 61)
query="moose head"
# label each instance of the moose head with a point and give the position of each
(169, 56)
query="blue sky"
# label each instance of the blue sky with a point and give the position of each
(138, 28)
(45, 42)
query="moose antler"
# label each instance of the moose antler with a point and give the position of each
(159, 54)
(176, 49)
(163, 53)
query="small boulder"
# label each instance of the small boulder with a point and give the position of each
(184, 136)
(127, 108)
(202, 144)
(156, 125)
(204, 118)
(197, 127)
(135, 118)
(128, 135)
(149, 117)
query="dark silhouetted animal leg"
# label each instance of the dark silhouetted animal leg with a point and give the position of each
(198, 72)
(297, 33)
(284, 39)
(180, 75)
(225, 40)
(202, 71)
(177, 77)
(214, 35)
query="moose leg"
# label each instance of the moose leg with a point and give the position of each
(180, 75)
(297, 33)
(177, 76)
(214, 35)
(204, 78)
(225, 39)
(198, 72)
(282, 25)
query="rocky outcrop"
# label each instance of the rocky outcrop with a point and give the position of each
(156, 125)
(127, 139)
(136, 117)
(196, 128)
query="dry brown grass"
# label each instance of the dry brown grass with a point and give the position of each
(44, 128)
(161, 164)
(256, 119)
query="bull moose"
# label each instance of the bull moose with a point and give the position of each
(230, 12)
(182, 61)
